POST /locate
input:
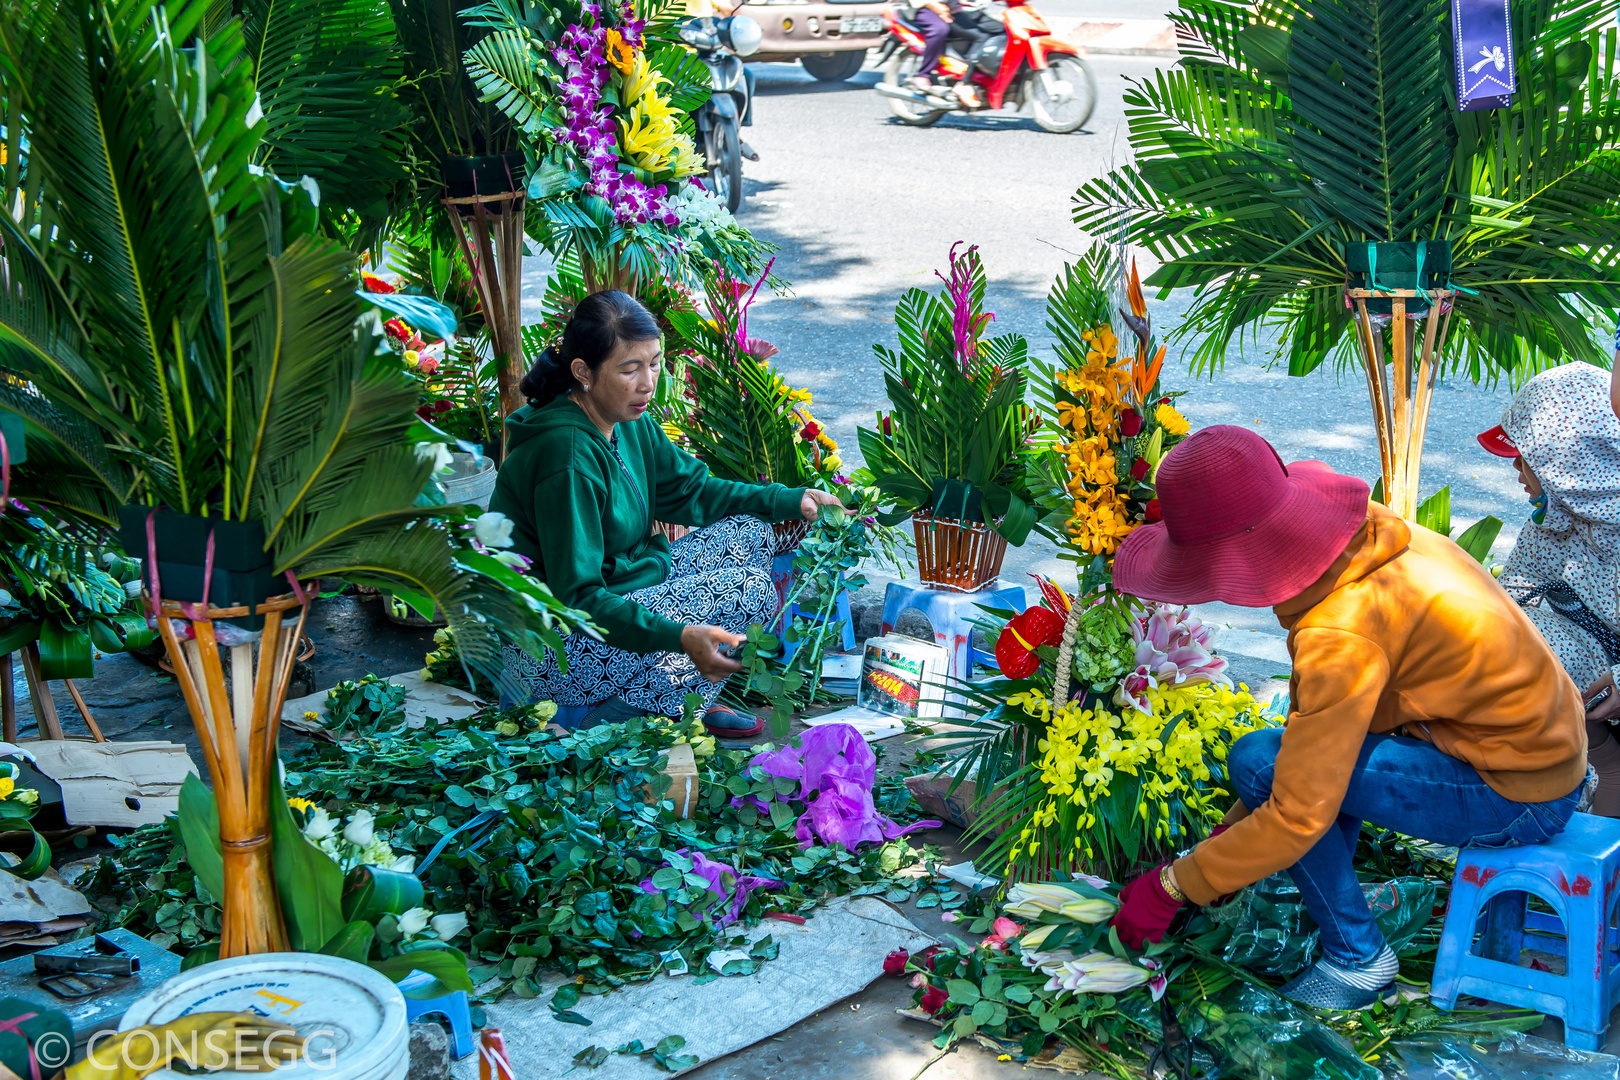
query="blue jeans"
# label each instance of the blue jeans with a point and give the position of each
(1401, 784)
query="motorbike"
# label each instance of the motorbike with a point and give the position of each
(1025, 65)
(721, 43)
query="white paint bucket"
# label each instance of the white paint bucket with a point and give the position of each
(352, 1017)
(470, 480)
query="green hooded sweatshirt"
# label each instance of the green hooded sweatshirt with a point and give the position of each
(583, 511)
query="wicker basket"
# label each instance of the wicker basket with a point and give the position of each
(952, 554)
(789, 535)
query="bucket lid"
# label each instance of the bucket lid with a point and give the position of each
(352, 1017)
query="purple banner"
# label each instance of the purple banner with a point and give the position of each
(1483, 38)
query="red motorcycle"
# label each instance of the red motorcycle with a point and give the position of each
(1024, 65)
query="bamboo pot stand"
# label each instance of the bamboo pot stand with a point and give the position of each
(237, 721)
(1400, 379)
(493, 248)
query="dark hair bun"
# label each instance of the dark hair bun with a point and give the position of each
(601, 324)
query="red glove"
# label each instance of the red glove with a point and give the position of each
(1145, 910)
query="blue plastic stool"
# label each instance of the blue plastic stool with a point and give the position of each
(454, 1007)
(782, 578)
(1574, 873)
(950, 613)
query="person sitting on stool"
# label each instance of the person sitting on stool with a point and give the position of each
(1422, 698)
(588, 475)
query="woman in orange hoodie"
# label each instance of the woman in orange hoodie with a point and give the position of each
(1422, 698)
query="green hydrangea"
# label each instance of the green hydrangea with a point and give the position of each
(1103, 649)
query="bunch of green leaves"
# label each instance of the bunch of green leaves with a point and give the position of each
(57, 595)
(741, 419)
(953, 443)
(148, 886)
(179, 332)
(1295, 128)
(353, 916)
(366, 706)
(1434, 513)
(664, 1054)
(827, 566)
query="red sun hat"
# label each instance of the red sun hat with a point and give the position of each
(1496, 441)
(1239, 526)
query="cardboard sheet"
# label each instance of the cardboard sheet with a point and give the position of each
(839, 951)
(114, 783)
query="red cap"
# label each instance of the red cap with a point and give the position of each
(1496, 441)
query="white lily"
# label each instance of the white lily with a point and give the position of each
(1098, 973)
(1031, 900)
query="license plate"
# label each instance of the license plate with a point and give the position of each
(860, 24)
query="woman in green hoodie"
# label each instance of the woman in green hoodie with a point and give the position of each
(588, 473)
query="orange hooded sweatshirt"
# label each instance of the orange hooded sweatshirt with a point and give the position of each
(1405, 631)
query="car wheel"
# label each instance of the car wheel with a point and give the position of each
(834, 67)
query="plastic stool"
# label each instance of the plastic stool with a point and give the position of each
(1574, 873)
(782, 578)
(950, 613)
(454, 1007)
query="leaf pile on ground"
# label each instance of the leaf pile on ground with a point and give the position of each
(546, 843)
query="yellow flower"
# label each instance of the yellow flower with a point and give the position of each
(309, 714)
(651, 137)
(7, 785)
(620, 53)
(303, 806)
(1172, 421)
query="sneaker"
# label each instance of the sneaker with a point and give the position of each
(1318, 989)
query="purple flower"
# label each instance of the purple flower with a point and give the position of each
(840, 478)
(965, 327)
(835, 769)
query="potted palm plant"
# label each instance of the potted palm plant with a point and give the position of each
(951, 452)
(1294, 134)
(184, 342)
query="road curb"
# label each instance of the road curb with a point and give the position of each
(1119, 37)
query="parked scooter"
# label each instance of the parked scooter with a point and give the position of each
(719, 43)
(1025, 65)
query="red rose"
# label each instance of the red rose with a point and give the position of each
(443, 405)
(1130, 422)
(811, 431)
(1139, 468)
(895, 962)
(425, 412)
(1164, 401)
(933, 999)
(888, 425)
(1152, 514)
(926, 957)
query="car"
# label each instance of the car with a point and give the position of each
(829, 37)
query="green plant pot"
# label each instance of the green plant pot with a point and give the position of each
(242, 575)
(1404, 265)
(490, 174)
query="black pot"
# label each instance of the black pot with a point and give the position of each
(1404, 264)
(490, 174)
(242, 568)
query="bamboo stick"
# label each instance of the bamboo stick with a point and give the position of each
(84, 710)
(1399, 498)
(180, 658)
(242, 698)
(45, 718)
(1373, 368)
(8, 701)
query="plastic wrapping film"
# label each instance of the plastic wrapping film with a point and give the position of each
(1516, 1057)
(1256, 1035)
(1273, 935)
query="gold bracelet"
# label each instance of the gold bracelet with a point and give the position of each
(1168, 885)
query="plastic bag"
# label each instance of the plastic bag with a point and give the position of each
(1272, 934)
(1516, 1057)
(1257, 1035)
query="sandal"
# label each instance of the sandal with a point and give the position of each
(731, 724)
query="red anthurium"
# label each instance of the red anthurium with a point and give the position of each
(1015, 649)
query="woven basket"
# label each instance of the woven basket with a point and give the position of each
(789, 535)
(952, 554)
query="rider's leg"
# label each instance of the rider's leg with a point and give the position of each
(935, 31)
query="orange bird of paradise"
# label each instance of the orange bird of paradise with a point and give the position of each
(1143, 375)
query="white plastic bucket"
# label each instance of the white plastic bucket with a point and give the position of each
(352, 1016)
(471, 480)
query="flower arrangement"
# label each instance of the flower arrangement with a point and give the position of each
(1111, 423)
(953, 444)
